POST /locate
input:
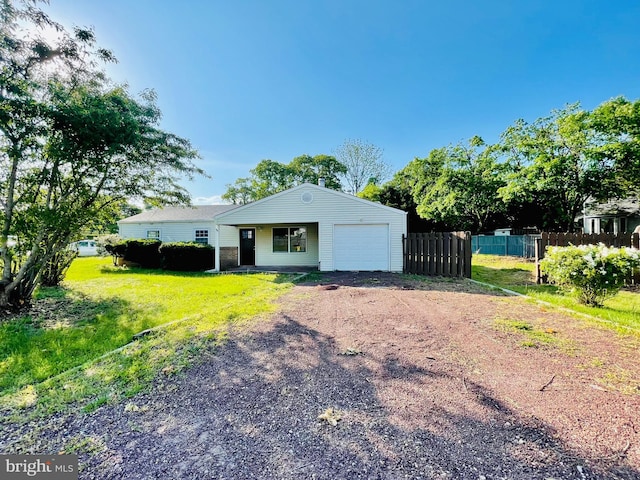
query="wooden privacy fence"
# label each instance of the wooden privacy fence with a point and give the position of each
(447, 254)
(566, 239)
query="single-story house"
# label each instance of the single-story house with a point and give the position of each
(614, 216)
(305, 226)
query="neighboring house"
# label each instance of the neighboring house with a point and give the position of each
(305, 226)
(614, 216)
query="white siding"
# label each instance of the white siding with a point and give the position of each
(180, 232)
(265, 256)
(326, 209)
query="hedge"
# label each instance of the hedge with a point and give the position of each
(179, 256)
(187, 256)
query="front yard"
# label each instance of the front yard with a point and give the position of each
(358, 376)
(621, 312)
(65, 349)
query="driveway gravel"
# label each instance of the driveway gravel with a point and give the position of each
(380, 376)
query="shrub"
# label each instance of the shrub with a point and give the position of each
(144, 252)
(187, 256)
(593, 272)
(106, 241)
(116, 250)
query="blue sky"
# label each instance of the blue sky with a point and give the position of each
(250, 80)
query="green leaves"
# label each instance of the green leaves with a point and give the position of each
(458, 185)
(592, 272)
(270, 177)
(73, 147)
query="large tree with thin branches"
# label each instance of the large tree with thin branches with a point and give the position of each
(364, 163)
(72, 145)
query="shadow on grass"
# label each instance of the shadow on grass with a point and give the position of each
(63, 329)
(251, 411)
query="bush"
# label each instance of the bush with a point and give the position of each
(187, 256)
(105, 242)
(116, 250)
(144, 252)
(592, 272)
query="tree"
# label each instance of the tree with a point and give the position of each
(557, 161)
(71, 146)
(459, 186)
(364, 164)
(240, 192)
(306, 168)
(398, 193)
(270, 177)
(617, 124)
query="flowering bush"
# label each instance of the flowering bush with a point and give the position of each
(593, 272)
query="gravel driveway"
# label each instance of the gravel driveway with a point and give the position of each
(421, 381)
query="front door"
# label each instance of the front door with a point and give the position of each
(247, 246)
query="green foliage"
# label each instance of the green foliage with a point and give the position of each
(270, 177)
(176, 256)
(458, 186)
(187, 256)
(617, 122)
(116, 249)
(143, 252)
(397, 193)
(555, 159)
(593, 272)
(73, 147)
(310, 169)
(371, 192)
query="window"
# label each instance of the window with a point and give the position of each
(202, 236)
(153, 234)
(290, 239)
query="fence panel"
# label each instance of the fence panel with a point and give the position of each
(512, 245)
(446, 254)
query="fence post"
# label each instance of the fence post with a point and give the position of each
(538, 254)
(404, 253)
(467, 254)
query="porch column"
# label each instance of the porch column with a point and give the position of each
(216, 241)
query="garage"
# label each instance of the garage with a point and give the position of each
(361, 247)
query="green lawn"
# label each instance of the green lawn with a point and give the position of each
(621, 312)
(53, 357)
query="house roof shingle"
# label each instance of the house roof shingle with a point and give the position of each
(179, 214)
(622, 206)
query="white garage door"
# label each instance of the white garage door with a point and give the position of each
(361, 247)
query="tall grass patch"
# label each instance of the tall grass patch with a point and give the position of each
(56, 354)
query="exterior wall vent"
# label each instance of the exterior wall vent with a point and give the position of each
(306, 197)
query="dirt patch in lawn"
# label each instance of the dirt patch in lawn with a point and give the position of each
(379, 376)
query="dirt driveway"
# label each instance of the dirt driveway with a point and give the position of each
(426, 380)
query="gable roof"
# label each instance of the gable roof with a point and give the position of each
(312, 186)
(202, 213)
(613, 207)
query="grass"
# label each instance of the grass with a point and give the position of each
(621, 312)
(532, 337)
(63, 353)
